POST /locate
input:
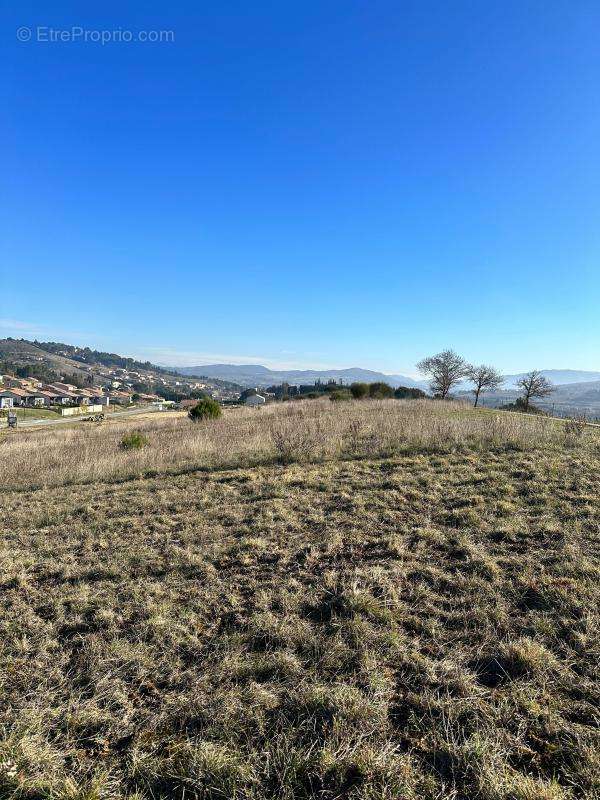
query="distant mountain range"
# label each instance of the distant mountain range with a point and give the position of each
(558, 377)
(256, 375)
(260, 376)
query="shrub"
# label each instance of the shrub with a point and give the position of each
(134, 441)
(520, 405)
(207, 408)
(408, 393)
(293, 442)
(574, 429)
(380, 390)
(339, 394)
(359, 390)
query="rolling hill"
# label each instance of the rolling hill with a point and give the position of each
(50, 361)
(22, 353)
(258, 375)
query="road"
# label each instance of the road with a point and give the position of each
(34, 423)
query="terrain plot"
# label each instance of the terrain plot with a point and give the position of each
(421, 624)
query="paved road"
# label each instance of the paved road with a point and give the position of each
(33, 423)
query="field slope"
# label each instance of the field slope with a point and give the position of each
(404, 617)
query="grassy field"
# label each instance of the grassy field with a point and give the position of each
(29, 413)
(354, 600)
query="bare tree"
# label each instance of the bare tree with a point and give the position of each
(483, 378)
(445, 370)
(534, 384)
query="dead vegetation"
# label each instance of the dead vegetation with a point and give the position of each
(410, 617)
(284, 433)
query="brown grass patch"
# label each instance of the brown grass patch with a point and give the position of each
(419, 623)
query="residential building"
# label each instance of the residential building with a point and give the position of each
(65, 387)
(255, 400)
(19, 396)
(36, 399)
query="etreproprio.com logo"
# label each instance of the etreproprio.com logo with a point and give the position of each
(76, 33)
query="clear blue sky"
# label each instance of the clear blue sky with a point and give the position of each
(328, 183)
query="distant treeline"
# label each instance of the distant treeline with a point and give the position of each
(338, 391)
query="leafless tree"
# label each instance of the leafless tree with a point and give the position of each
(483, 378)
(534, 384)
(445, 370)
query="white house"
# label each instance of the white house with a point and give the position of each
(255, 400)
(5, 401)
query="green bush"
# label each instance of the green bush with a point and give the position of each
(379, 390)
(134, 441)
(338, 395)
(359, 390)
(207, 408)
(408, 393)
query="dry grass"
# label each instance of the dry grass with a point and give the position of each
(307, 431)
(416, 619)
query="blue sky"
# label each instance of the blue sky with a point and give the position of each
(305, 184)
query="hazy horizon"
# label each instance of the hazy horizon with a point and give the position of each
(166, 357)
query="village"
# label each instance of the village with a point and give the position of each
(106, 388)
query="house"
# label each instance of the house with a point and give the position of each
(5, 402)
(83, 396)
(121, 398)
(255, 400)
(36, 399)
(101, 399)
(59, 395)
(51, 397)
(18, 396)
(65, 387)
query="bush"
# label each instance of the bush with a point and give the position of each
(338, 395)
(406, 393)
(359, 390)
(134, 441)
(207, 408)
(380, 390)
(523, 408)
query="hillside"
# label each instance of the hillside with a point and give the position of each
(374, 600)
(50, 361)
(258, 375)
(23, 353)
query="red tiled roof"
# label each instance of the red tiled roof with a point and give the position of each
(18, 392)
